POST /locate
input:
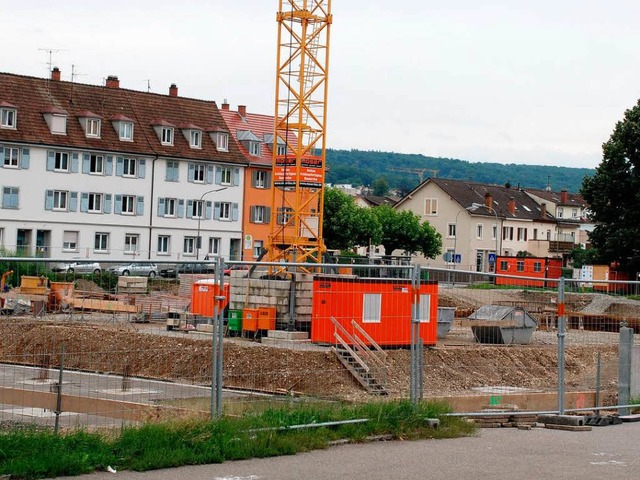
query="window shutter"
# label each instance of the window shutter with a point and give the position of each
(51, 160)
(74, 162)
(207, 210)
(234, 212)
(267, 214)
(107, 203)
(48, 200)
(180, 208)
(218, 175)
(161, 207)
(1, 156)
(24, 159)
(84, 202)
(192, 172)
(140, 206)
(254, 178)
(117, 207)
(267, 180)
(73, 201)
(86, 163)
(209, 174)
(216, 210)
(109, 167)
(119, 166)
(236, 177)
(142, 168)
(252, 214)
(190, 208)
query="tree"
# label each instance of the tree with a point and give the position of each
(613, 194)
(347, 225)
(380, 187)
(402, 230)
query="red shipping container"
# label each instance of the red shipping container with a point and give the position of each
(203, 293)
(530, 267)
(267, 318)
(381, 307)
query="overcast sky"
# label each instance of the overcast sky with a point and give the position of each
(537, 82)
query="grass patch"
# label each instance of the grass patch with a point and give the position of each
(34, 453)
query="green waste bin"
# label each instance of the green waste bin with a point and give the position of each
(234, 321)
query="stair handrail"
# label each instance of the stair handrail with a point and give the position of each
(368, 353)
(375, 345)
(343, 330)
(355, 356)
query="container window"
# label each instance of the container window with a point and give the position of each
(371, 308)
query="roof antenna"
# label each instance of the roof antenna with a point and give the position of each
(148, 85)
(74, 74)
(548, 189)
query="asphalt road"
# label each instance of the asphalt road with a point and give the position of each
(605, 453)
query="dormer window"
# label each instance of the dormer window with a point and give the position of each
(124, 126)
(93, 127)
(219, 136)
(56, 119)
(164, 131)
(249, 141)
(90, 123)
(167, 136)
(195, 139)
(281, 148)
(8, 115)
(254, 149)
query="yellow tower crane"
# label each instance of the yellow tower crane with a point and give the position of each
(299, 131)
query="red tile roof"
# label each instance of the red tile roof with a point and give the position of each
(87, 114)
(31, 96)
(259, 125)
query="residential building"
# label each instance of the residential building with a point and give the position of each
(107, 172)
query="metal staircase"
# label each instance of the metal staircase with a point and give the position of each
(366, 363)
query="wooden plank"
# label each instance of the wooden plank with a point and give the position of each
(568, 428)
(101, 305)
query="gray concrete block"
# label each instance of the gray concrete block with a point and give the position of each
(574, 420)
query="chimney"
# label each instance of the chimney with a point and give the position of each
(488, 200)
(543, 210)
(173, 90)
(512, 206)
(242, 110)
(564, 197)
(113, 82)
(55, 74)
(225, 105)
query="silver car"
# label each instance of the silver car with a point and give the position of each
(140, 269)
(77, 267)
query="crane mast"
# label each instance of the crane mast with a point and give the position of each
(299, 142)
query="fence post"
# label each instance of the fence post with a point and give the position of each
(414, 380)
(59, 392)
(561, 338)
(624, 368)
(217, 334)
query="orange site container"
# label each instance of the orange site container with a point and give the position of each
(267, 318)
(530, 267)
(250, 320)
(203, 293)
(381, 307)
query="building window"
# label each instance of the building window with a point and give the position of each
(281, 150)
(371, 307)
(163, 244)
(259, 214)
(96, 164)
(126, 131)
(431, 206)
(197, 209)
(101, 243)
(195, 139)
(129, 167)
(284, 215)
(425, 308)
(479, 231)
(504, 265)
(507, 233)
(494, 232)
(257, 248)
(93, 127)
(225, 176)
(260, 179)
(522, 234)
(222, 142)
(8, 116)
(11, 157)
(173, 170)
(94, 204)
(10, 197)
(128, 204)
(537, 266)
(520, 265)
(574, 213)
(169, 209)
(254, 149)
(131, 243)
(60, 198)
(535, 234)
(560, 212)
(214, 246)
(199, 173)
(451, 230)
(61, 163)
(167, 136)
(225, 211)
(70, 241)
(189, 246)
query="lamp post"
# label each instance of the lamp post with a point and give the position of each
(471, 208)
(201, 212)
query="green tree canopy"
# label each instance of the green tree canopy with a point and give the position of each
(402, 230)
(613, 194)
(346, 225)
(380, 187)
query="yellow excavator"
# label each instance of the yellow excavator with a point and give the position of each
(3, 280)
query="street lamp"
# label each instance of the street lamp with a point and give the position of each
(200, 213)
(471, 208)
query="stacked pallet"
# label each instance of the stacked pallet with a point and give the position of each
(509, 417)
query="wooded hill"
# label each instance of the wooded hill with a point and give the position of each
(364, 168)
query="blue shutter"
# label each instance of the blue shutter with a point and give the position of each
(192, 172)
(140, 206)
(73, 201)
(218, 175)
(117, 207)
(74, 162)
(189, 208)
(207, 210)
(48, 200)
(51, 160)
(216, 210)
(236, 177)
(1, 156)
(161, 207)
(107, 203)
(209, 174)
(234, 212)
(86, 163)
(170, 172)
(119, 166)
(24, 159)
(84, 202)
(109, 167)
(142, 168)
(180, 208)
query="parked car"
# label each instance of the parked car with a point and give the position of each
(196, 268)
(167, 271)
(77, 267)
(141, 269)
